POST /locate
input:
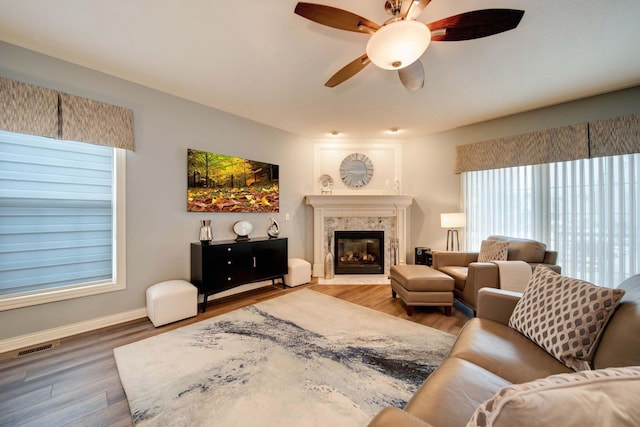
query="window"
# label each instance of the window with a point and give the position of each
(62, 220)
(587, 210)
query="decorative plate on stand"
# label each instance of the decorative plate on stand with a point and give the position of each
(326, 184)
(242, 229)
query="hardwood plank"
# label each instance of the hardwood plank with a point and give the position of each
(77, 382)
(115, 415)
(25, 400)
(64, 413)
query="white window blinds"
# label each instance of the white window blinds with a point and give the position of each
(56, 214)
(587, 210)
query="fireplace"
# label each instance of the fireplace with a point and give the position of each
(359, 252)
(360, 212)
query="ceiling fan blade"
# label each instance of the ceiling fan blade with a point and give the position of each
(412, 77)
(334, 17)
(348, 71)
(415, 8)
(475, 24)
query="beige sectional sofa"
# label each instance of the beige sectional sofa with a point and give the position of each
(469, 275)
(489, 357)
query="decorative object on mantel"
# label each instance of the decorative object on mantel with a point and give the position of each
(394, 247)
(329, 272)
(392, 188)
(206, 234)
(274, 229)
(395, 189)
(356, 170)
(326, 184)
(242, 229)
(453, 221)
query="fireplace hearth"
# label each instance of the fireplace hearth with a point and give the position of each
(359, 252)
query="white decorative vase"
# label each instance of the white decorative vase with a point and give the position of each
(329, 272)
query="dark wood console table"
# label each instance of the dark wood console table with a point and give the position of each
(227, 264)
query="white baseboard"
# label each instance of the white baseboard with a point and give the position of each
(29, 340)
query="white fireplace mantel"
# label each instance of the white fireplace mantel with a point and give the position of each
(360, 205)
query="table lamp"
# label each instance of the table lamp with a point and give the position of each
(453, 221)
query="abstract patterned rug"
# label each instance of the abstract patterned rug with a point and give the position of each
(302, 359)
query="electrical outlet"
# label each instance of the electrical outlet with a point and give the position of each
(287, 217)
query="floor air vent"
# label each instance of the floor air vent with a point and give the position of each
(38, 349)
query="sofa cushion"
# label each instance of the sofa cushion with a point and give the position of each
(565, 316)
(605, 397)
(452, 393)
(459, 274)
(504, 351)
(523, 249)
(493, 250)
(420, 278)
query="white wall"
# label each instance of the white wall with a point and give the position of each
(385, 156)
(428, 162)
(159, 229)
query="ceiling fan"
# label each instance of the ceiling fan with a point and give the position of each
(399, 42)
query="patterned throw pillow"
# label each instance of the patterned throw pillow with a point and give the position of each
(604, 397)
(493, 250)
(564, 316)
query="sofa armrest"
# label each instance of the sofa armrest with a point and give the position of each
(480, 275)
(550, 257)
(394, 417)
(461, 259)
(496, 304)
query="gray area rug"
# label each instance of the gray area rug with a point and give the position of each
(303, 359)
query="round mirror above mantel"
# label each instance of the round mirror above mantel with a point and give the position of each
(356, 170)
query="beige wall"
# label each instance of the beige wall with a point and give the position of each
(428, 162)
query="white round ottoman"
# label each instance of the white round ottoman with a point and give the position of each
(171, 301)
(298, 272)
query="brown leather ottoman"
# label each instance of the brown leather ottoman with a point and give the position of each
(419, 285)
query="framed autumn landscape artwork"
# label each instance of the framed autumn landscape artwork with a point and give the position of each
(220, 183)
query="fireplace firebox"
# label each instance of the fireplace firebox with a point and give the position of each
(359, 252)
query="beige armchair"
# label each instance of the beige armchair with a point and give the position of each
(470, 275)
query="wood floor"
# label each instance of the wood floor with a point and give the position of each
(76, 383)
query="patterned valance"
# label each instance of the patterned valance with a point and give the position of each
(80, 115)
(551, 145)
(28, 109)
(35, 110)
(620, 135)
(610, 137)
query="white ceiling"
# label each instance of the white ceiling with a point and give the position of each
(257, 59)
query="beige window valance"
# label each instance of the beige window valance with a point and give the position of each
(620, 135)
(44, 112)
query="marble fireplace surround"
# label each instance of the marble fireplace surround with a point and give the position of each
(359, 212)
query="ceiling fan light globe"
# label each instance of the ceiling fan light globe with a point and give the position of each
(398, 44)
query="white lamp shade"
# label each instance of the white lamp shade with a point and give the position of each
(398, 44)
(453, 220)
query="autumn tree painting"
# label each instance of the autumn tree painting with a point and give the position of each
(219, 183)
